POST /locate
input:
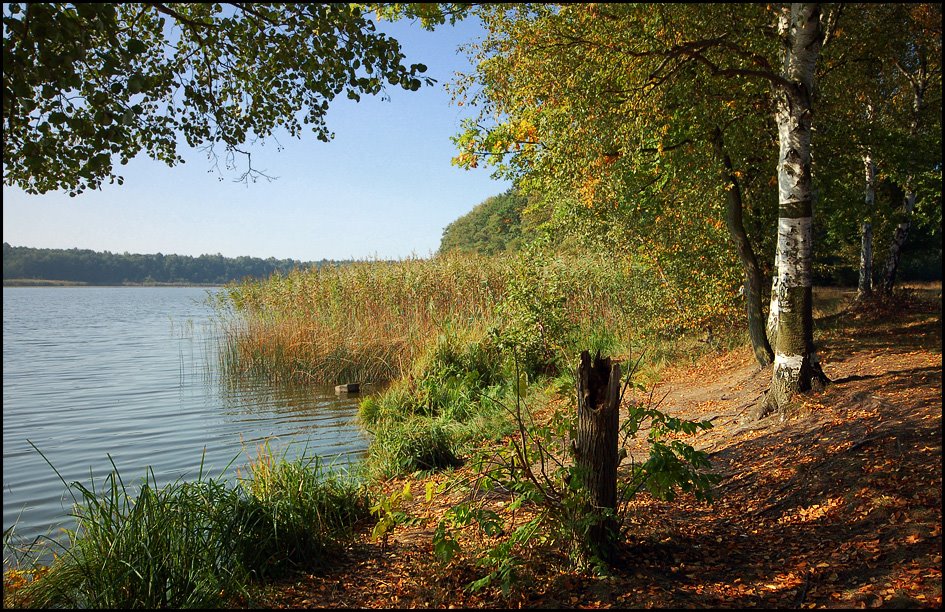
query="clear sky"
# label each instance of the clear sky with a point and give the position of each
(383, 188)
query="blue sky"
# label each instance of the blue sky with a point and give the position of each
(383, 188)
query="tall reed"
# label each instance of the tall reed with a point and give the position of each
(372, 320)
(364, 321)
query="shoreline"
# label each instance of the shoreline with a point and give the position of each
(29, 282)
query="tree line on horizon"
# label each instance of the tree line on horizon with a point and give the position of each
(502, 223)
(106, 268)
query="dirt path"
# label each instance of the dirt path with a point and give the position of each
(839, 506)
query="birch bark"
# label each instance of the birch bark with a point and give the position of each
(865, 284)
(919, 82)
(791, 314)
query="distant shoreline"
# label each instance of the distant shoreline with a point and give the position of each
(40, 282)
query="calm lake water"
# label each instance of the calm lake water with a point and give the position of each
(131, 373)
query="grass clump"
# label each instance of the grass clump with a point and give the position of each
(197, 544)
(296, 512)
(446, 381)
(164, 547)
(417, 443)
(418, 423)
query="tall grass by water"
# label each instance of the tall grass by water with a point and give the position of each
(196, 544)
(372, 321)
(364, 321)
(454, 334)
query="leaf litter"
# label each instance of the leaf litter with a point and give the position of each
(838, 506)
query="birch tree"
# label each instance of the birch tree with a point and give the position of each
(666, 70)
(864, 288)
(796, 364)
(867, 146)
(920, 65)
(612, 105)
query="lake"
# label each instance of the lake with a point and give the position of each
(129, 374)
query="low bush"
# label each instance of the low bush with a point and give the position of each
(417, 443)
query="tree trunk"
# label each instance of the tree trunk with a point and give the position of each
(919, 82)
(795, 360)
(595, 448)
(865, 285)
(773, 310)
(736, 228)
(899, 239)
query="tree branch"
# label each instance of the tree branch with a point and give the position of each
(775, 79)
(163, 8)
(830, 25)
(247, 7)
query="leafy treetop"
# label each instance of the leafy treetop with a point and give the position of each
(85, 83)
(493, 226)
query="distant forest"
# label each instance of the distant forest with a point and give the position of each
(494, 226)
(499, 224)
(95, 268)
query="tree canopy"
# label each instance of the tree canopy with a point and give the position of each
(493, 226)
(648, 126)
(86, 84)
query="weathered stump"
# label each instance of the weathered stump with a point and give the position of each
(595, 447)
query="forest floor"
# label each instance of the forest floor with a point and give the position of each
(839, 506)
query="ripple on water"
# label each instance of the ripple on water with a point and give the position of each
(93, 376)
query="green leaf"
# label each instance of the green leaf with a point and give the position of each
(135, 84)
(136, 47)
(445, 548)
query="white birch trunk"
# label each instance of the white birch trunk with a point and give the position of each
(865, 285)
(791, 314)
(919, 82)
(899, 239)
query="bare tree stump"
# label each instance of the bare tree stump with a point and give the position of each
(595, 447)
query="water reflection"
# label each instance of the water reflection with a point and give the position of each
(326, 421)
(96, 376)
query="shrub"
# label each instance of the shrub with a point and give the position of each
(534, 322)
(417, 443)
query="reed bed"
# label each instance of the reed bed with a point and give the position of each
(453, 334)
(358, 322)
(372, 321)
